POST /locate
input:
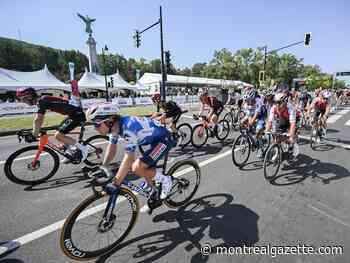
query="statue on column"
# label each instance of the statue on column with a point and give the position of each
(88, 21)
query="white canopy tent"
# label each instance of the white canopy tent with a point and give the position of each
(94, 81)
(40, 80)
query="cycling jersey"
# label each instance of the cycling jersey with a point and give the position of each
(57, 104)
(258, 108)
(213, 102)
(139, 131)
(171, 109)
(321, 104)
(287, 113)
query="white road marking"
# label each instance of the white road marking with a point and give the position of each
(342, 112)
(347, 123)
(55, 226)
(335, 117)
(330, 216)
(342, 145)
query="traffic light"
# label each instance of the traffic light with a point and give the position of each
(112, 83)
(167, 60)
(307, 39)
(262, 76)
(137, 38)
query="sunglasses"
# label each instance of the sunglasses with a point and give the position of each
(98, 124)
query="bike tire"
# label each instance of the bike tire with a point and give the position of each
(234, 151)
(68, 245)
(10, 162)
(228, 116)
(226, 130)
(180, 128)
(205, 134)
(313, 138)
(278, 159)
(172, 171)
(88, 161)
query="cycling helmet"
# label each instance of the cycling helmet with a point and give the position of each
(269, 93)
(101, 112)
(156, 98)
(326, 94)
(281, 97)
(251, 95)
(25, 91)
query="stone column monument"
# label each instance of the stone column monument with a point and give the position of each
(93, 62)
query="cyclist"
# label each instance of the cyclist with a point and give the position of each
(216, 107)
(135, 131)
(269, 100)
(75, 116)
(322, 108)
(283, 117)
(255, 112)
(170, 110)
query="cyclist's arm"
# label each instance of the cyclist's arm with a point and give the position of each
(328, 109)
(38, 122)
(253, 119)
(124, 168)
(210, 114)
(110, 154)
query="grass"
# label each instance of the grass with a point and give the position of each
(26, 122)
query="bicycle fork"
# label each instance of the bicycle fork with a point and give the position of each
(108, 219)
(44, 139)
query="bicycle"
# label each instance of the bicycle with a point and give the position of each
(316, 135)
(245, 143)
(105, 223)
(275, 154)
(38, 159)
(234, 116)
(203, 130)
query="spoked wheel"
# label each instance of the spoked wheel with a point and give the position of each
(87, 234)
(20, 167)
(266, 140)
(241, 150)
(184, 132)
(272, 161)
(315, 138)
(96, 146)
(199, 136)
(186, 179)
(229, 117)
(223, 130)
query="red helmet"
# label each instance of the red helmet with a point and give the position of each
(25, 91)
(156, 97)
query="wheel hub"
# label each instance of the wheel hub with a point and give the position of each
(106, 224)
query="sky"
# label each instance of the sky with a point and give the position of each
(193, 30)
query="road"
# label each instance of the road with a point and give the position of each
(308, 204)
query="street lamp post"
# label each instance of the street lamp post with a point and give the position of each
(105, 49)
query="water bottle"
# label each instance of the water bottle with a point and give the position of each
(145, 186)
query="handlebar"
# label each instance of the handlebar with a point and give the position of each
(21, 134)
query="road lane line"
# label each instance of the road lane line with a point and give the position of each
(330, 216)
(334, 118)
(342, 112)
(55, 226)
(337, 144)
(347, 123)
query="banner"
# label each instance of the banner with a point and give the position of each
(123, 102)
(143, 101)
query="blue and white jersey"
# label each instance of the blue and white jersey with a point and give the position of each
(139, 131)
(258, 108)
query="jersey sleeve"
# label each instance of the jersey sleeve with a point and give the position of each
(42, 106)
(292, 113)
(130, 140)
(113, 139)
(272, 114)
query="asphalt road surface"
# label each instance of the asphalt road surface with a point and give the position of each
(307, 205)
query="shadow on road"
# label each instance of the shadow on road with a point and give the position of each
(252, 166)
(305, 167)
(227, 225)
(11, 260)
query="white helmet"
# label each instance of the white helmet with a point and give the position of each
(100, 112)
(326, 94)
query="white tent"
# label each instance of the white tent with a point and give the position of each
(92, 80)
(154, 78)
(39, 80)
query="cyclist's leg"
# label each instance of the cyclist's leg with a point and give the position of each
(64, 128)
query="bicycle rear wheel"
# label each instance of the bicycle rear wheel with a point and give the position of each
(19, 167)
(184, 132)
(229, 117)
(186, 179)
(241, 150)
(272, 161)
(315, 138)
(84, 228)
(97, 146)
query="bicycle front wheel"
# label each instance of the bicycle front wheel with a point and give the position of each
(20, 168)
(184, 132)
(199, 135)
(186, 179)
(241, 150)
(86, 235)
(315, 138)
(96, 146)
(223, 130)
(272, 161)
(229, 117)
